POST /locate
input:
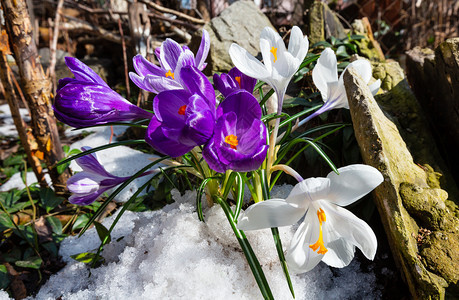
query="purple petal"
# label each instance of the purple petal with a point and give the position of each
(155, 137)
(203, 50)
(82, 104)
(197, 83)
(82, 72)
(244, 105)
(140, 82)
(247, 83)
(63, 82)
(168, 105)
(170, 53)
(209, 153)
(143, 67)
(161, 84)
(90, 164)
(200, 121)
(225, 84)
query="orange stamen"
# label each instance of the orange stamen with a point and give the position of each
(181, 110)
(274, 52)
(232, 141)
(320, 242)
(238, 79)
(170, 74)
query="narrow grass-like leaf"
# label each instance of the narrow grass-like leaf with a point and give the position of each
(266, 97)
(200, 192)
(275, 233)
(121, 143)
(239, 196)
(254, 265)
(118, 190)
(133, 124)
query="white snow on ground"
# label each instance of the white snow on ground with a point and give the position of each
(170, 254)
(7, 127)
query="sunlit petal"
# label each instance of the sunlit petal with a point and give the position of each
(325, 71)
(269, 213)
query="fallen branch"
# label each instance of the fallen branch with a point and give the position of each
(174, 12)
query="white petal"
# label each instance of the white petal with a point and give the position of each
(298, 45)
(374, 87)
(337, 97)
(350, 228)
(362, 66)
(265, 49)
(340, 253)
(270, 213)
(325, 71)
(300, 257)
(247, 64)
(285, 67)
(309, 190)
(352, 183)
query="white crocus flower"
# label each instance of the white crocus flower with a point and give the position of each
(325, 77)
(279, 64)
(328, 233)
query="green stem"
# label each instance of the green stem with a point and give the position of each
(248, 252)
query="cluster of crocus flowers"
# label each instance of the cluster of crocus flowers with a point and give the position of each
(231, 136)
(87, 100)
(329, 232)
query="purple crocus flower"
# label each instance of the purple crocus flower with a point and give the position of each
(239, 139)
(233, 81)
(87, 100)
(183, 118)
(172, 57)
(88, 185)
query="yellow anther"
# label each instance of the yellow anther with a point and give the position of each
(320, 242)
(274, 52)
(182, 110)
(169, 74)
(232, 141)
(238, 79)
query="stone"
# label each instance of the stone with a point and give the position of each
(241, 23)
(400, 197)
(368, 46)
(434, 76)
(323, 23)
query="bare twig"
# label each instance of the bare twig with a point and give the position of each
(171, 11)
(53, 46)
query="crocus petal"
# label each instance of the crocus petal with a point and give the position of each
(90, 164)
(350, 228)
(374, 87)
(210, 155)
(325, 71)
(84, 183)
(268, 214)
(300, 257)
(247, 63)
(298, 45)
(245, 105)
(310, 189)
(362, 66)
(143, 67)
(82, 72)
(225, 84)
(86, 199)
(336, 96)
(170, 53)
(158, 84)
(340, 253)
(156, 138)
(197, 83)
(167, 105)
(200, 121)
(247, 83)
(203, 50)
(140, 82)
(352, 183)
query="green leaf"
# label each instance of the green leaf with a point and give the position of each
(55, 223)
(49, 199)
(80, 222)
(4, 279)
(5, 222)
(103, 233)
(33, 262)
(86, 257)
(51, 247)
(66, 149)
(13, 160)
(341, 51)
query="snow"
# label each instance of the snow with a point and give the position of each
(170, 254)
